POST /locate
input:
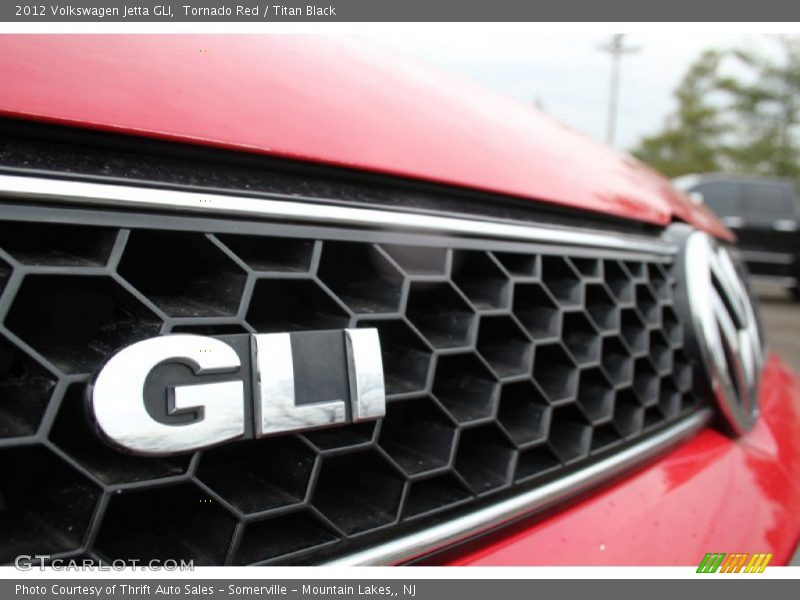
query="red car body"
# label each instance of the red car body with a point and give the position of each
(341, 103)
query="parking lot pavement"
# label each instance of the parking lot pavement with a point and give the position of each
(781, 316)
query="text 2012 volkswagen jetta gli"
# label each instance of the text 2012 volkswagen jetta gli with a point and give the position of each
(288, 300)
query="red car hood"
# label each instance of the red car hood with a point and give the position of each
(337, 101)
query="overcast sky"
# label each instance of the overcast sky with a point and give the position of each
(568, 75)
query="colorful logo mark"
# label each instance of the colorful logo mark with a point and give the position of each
(719, 562)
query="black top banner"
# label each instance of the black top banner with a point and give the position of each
(252, 11)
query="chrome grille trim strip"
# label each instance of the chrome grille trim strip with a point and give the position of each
(505, 512)
(64, 191)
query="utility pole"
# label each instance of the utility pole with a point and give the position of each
(616, 48)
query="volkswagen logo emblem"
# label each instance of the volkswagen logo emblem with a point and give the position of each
(722, 325)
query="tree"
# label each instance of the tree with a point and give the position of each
(692, 136)
(764, 106)
(738, 112)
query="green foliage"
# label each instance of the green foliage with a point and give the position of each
(690, 140)
(745, 122)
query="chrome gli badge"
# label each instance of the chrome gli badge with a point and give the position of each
(179, 393)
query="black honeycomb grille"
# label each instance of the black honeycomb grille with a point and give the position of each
(507, 365)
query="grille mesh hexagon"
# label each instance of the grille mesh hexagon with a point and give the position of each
(506, 367)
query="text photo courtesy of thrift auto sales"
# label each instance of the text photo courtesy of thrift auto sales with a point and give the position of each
(395, 589)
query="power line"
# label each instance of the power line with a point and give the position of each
(616, 48)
